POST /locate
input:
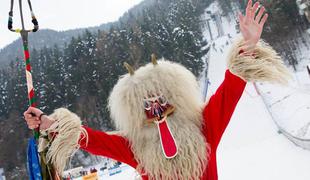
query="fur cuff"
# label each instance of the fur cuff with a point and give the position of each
(66, 133)
(265, 65)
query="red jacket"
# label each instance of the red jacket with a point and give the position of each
(216, 115)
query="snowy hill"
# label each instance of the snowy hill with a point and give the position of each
(290, 106)
(251, 147)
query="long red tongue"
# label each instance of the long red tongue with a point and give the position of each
(167, 141)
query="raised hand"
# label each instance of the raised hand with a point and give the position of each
(251, 25)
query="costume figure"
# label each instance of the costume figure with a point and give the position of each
(165, 130)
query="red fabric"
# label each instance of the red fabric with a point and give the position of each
(168, 143)
(27, 56)
(28, 67)
(112, 146)
(216, 115)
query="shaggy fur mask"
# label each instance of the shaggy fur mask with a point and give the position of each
(180, 88)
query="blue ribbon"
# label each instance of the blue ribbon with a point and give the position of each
(33, 162)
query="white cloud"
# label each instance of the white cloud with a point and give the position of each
(63, 14)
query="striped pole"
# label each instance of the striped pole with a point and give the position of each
(24, 35)
(31, 93)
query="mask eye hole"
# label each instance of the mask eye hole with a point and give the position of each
(162, 100)
(147, 105)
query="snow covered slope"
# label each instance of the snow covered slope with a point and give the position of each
(251, 147)
(290, 106)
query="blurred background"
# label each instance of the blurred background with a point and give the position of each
(78, 54)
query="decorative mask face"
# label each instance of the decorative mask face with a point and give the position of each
(156, 107)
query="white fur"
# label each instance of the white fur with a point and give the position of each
(67, 129)
(267, 65)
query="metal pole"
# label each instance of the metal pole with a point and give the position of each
(21, 14)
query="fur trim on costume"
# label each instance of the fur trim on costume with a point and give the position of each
(66, 132)
(264, 65)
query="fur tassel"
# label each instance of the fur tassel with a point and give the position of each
(264, 65)
(66, 132)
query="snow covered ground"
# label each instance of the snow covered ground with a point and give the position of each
(290, 106)
(252, 147)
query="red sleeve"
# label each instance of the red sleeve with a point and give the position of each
(111, 146)
(221, 106)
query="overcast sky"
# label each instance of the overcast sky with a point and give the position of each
(63, 14)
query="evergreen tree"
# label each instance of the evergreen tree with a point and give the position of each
(71, 76)
(3, 93)
(17, 89)
(187, 36)
(53, 72)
